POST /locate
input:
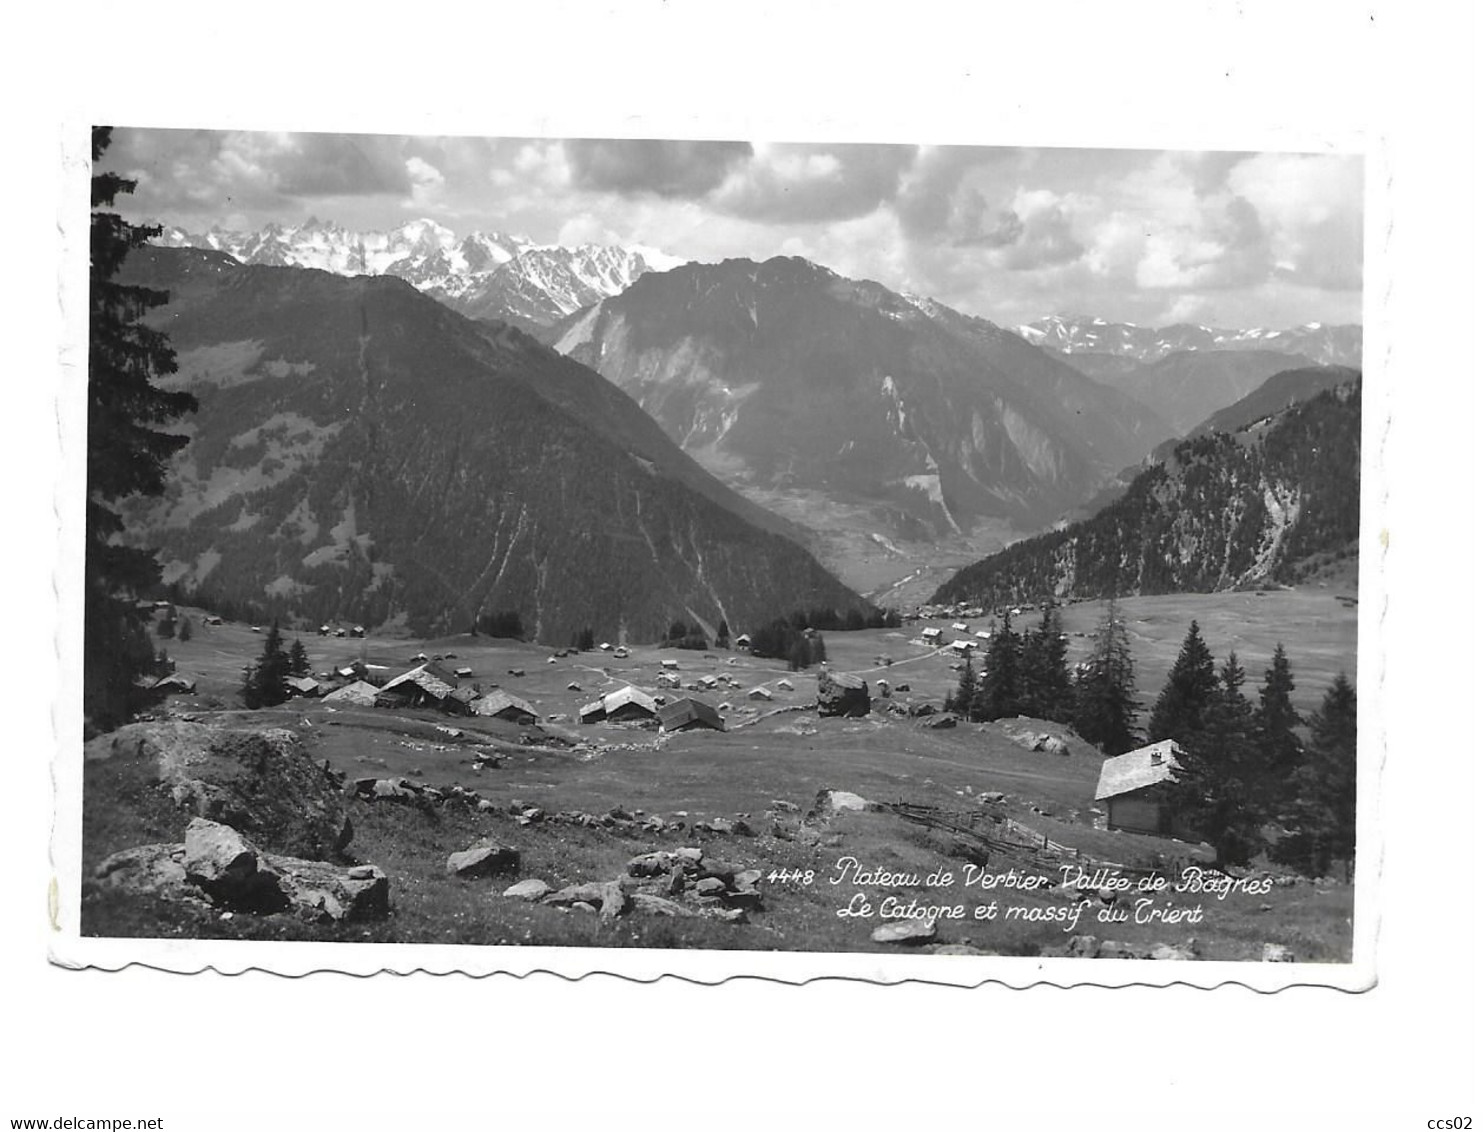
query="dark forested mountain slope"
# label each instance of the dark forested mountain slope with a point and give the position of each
(363, 452)
(783, 375)
(1221, 510)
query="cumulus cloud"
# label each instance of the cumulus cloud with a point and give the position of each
(1232, 238)
(792, 184)
(661, 168)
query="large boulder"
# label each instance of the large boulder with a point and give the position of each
(259, 781)
(219, 867)
(841, 693)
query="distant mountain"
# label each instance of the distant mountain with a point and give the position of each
(487, 275)
(783, 376)
(1188, 386)
(1279, 392)
(1079, 334)
(362, 452)
(1222, 510)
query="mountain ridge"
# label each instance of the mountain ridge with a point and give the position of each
(364, 452)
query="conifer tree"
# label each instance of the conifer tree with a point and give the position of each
(1179, 712)
(298, 659)
(1319, 814)
(1219, 769)
(263, 683)
(1276, 732)
(1045, 683)
(126, 454)
(961, 702)
(1104, 701)
(999, 691)
(723, 635)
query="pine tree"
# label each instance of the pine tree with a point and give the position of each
(264, 682)
(187, 630)
(1219, 770)
(1276, 733)
(999, 691)
(1179, 712)
(723, 635)
(1104, 701)
(1045, 683)
(125, 455)
(298, 659)
(961, 702)
(1319, 815)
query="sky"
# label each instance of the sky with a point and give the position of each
(1010, 234)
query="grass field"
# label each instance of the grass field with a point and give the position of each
(773, 752)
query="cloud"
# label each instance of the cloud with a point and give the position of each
(427, 184)
(793, 184)
(662, 168)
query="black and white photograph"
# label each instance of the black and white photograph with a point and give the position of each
(653, 544)
(811, 564)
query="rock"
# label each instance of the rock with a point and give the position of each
(957, 949)
(747, 878)
(322, 893)
(483, 859)
(1077, 947)
(940, 722)
(583, 906)
(1171, 951)
(906, 931)
(1113, 949)
(833, 801)
(842, 694)
(710, 886)
(651, 864)
(485, 806)
(728, 915)
(259, 781)
(224, 865)
(743, 897)
(659, 906)
(614, 901)
(691, 853)
(920, 710)
(1277, 953)
(157, 870)
(993, 796)
(1054, 745)
(532, 889)
(362, 872)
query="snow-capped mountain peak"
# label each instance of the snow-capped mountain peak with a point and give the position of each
(483, 274)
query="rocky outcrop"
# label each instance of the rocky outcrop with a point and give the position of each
(483, 859)
(220, 868)
(259, 781)
(841, 693)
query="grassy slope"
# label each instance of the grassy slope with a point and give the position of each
(789, 755)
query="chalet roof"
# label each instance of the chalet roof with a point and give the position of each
(423, 677)
(359, 693)
(628, 695)
(1147, 766)
(761, 692)
(689, 710)
(843, 679)
(305, 684)
(173, 682)
(500, 700)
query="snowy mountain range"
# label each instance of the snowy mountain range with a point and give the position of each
(1079, 334)
(481, 275)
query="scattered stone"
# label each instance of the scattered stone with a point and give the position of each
(958, 949)
(1171, 951)
(532, 889)
(651, 864)
(483, 859)
(1277, 953)
(659, 906)
(710, 886)
(906, 931)
(940, 722)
